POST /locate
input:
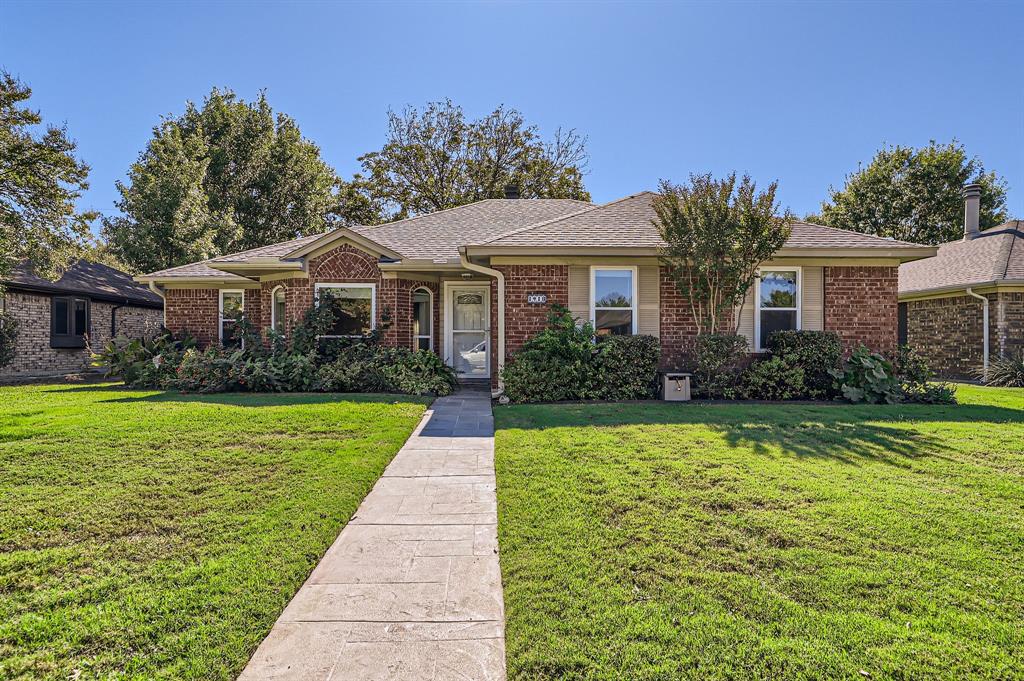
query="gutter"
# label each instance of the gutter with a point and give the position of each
(156, 289)
(984, 328)
(464, 259)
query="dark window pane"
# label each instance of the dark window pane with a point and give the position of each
(778, 289)
(231, 306)
(61, 316)
(776, 320)
(613, 288)
(279, 310)
(81, 318)
(420, 318)
(351, 317)
(613, 322)
(227, 335)
(423, 343)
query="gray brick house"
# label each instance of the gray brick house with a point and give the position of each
(966, 304)
(59, 320)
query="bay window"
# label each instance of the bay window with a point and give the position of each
(778, 303)
(613, 295)
(354, 305)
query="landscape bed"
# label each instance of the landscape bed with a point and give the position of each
(649, 541)
(158, 535)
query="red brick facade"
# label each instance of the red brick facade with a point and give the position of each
(678, 326)
(861, 306)
(195, 311)
(523, 319)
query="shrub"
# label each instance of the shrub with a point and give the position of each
(565, 361)
(916, 379)
(867, 377)
(815, 352)
(772, 379)
(1007, 372)
(721, 359)
(626, 368)
(144, 363)
(376, 368)
(8, 336)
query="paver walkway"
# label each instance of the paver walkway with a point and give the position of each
(411, 588)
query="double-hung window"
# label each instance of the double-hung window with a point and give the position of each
(69, 321)
(422, 320)
(354, 306)
(613, 300)
(778, 303)
(232, 305)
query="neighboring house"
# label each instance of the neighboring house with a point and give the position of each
(59, 320)
(473, 283)
(966, 304)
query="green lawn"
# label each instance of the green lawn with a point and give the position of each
(153, 535)
(666, 541)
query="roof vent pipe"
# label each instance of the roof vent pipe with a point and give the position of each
(512, 191)
(972, 211)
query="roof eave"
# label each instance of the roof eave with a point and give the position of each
(901, 254)
(953, 288)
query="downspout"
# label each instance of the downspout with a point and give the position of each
(984, 327)
(156, 289)
(501, 310)
(113, 318)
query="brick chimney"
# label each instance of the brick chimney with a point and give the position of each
(972, 211)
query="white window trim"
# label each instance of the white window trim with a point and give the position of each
(757, 300)
(346, 284)
(220, 326)
(430, 320)
(273, 305)
(634, 307)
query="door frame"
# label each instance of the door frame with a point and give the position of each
(450, 288)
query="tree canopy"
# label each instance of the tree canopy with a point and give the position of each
(914, 195)
(717, 233)
(436, 159)
(227, 176)
(40, 183)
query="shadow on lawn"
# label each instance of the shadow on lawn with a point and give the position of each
(840, 432)
(241, 399)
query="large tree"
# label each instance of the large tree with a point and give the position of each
(716, 234)
(914, 195)
(40, 182)
(436, 159)
(225, 176)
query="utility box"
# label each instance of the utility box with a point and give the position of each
(675, 387)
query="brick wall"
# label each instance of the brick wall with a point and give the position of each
(195, 311)
(35, 357)
(396, 297)
(522, 319)
(948, 331)
(678, 326)
(861, 306)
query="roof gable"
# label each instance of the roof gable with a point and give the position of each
(996, 255)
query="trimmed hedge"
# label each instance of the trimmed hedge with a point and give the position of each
(566, 361)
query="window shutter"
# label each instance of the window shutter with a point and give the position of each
(579, 291)
(812, 313)
(649, 322)
(745, 325)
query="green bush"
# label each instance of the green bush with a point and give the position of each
(720, 360)
(1007, 372)
(867, 377)
(566, 361)
(815, 352)
(144, 363)
(376, 368)
(917, 379)
(772, 379)
(8, 336)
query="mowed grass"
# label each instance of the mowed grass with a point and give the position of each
(153, 535)
(687, 541)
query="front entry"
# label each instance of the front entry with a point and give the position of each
(467, 333)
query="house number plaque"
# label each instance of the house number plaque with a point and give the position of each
(536, 298)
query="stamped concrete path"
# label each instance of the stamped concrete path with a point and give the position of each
(411, 588)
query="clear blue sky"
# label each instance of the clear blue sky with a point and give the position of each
(799, 92)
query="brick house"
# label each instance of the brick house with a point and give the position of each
(473, 283)
(58, 320)
(966, 304)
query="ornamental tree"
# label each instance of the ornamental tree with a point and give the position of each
(716, 234)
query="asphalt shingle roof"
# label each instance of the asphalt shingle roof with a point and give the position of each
(628, 222)
(272, 251)
(90, 279)
(996, 255)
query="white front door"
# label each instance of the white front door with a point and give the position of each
(467, 338)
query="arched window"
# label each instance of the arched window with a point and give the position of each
(422, 319)
(277, 309)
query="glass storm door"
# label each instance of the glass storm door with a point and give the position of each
(469, 329)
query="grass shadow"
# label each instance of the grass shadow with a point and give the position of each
(840, 432)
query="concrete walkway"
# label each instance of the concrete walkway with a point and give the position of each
(411, 588)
